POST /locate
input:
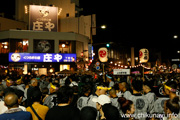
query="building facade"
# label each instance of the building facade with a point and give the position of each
(28, 42)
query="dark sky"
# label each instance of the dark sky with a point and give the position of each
(148, 22)
(8, 7)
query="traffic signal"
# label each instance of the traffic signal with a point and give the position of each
(107, 45)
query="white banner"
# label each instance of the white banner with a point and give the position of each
(121, 71)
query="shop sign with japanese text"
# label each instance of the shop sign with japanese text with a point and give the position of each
(42, 57)
(121, 71)
(43, 18)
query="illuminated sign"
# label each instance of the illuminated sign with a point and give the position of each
(42, 57)
(43, 18)
(121, 71)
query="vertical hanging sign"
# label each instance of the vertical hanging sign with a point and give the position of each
(43, 18)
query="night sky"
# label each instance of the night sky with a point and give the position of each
(140, 24)
(132, 21)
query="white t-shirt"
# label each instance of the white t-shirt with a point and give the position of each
(3, 108)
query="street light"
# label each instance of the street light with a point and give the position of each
(103, 26)
(63, 46)
(175, 36)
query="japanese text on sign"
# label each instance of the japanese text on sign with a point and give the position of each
(41, 57)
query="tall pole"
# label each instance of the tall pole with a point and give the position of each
(143, 72)
(103, 74)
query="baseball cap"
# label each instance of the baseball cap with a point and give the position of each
(102, 99)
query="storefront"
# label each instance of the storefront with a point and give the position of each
(41, 52)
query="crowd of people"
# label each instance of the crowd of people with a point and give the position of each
(83, 97)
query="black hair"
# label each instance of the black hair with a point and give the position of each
(88, 113)
(173, 105)
(85, 89)
(64, 94)
(137, 85)
(9, 90)
(56, 84)
(149, 84)
(110, 112)
(36, 95)
(125, 104)
(19, 93)
(171, 84)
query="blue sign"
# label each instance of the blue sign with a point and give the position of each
(97, 67)
(42, 57)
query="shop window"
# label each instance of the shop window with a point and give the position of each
(19, 45)
(4, 47)
(64, 47)
(67, 15)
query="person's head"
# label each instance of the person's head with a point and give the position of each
(127, 106)
(36, 95)
(123, 85)
(112, 93)
(86, 90)
(53, 87)
(20, 95)
(170, 87)
(88, 113)
(101, 89)
(137, 85)
(65, 94)
(172, 106)
(110, 112)
(101, 100)
(9, 82)
(147, 86)
(18, 80)
(34, 82)
(11, 100)
(109, 77)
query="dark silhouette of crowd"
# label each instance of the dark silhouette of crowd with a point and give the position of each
(83, 97)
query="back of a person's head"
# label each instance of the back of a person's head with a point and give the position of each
(110, 112)
(33, 80)
(171, 84)
(88, 113)
(137, 85)
(125, 104)
(173, 105)
(36, 95)
(11, 100)
(85, 89)
(148, 83)
(112, 91)
(19, 93)
(9, 90)
(64, 94)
